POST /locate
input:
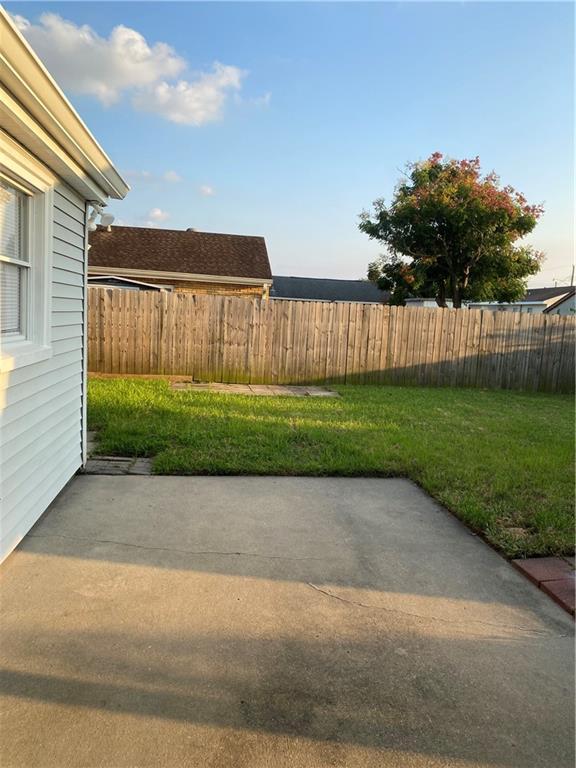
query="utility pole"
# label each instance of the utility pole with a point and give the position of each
(572, 275)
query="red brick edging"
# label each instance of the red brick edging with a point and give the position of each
(553, 575)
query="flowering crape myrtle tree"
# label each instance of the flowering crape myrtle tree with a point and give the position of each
(452, 233)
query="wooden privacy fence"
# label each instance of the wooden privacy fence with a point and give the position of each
(229, 339)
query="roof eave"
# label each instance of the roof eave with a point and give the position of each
(559, 301)
(30, 84)
(97, 269)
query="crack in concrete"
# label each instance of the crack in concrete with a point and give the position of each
(218, 553)
(170, 549)
(452, 622)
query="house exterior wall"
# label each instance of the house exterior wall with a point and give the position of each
(526, 307)
(220, 289)
(426, 303)
(199, 286)
(42, 403)
(566, 307)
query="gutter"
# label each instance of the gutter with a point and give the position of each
(30, 84)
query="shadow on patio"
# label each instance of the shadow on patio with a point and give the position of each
(366, 628)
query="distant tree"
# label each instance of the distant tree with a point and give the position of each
(451, 233)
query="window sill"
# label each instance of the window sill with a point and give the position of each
(17, 354)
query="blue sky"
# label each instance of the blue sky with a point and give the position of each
(315, 109)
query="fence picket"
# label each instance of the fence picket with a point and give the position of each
(235, 339)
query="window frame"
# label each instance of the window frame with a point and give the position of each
(22, 264)
(22, 171)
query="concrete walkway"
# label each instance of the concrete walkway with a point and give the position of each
(263, 622)
(258, 390)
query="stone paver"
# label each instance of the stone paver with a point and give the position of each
(539, 569)
(90, 442)
(554, 575)
(117, 465)
(258, 622)
(562, 591)
(267, 390)
(141, 467)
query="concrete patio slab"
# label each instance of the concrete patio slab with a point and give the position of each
(255, 622)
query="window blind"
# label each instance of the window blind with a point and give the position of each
(12, 215)
(10, 298)
(13, 278)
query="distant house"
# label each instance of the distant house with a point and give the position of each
(186, 260)
(559, 301)
(553, 301)
(429, 303)
(326, 289)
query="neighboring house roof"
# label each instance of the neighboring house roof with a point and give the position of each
(552, 305)
(34, 110)
(551, 296)
(179, 251)
(326, 289)
(113, 281)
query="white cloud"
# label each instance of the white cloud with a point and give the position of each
(191, 103)
(138, 175)
(255, 101)
(153, 219)
(207, 191)
(124, 63)
(262, 101)
(172, 177)
(83, 62)
(157, 215)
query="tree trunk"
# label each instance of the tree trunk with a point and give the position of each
(441, 295)
(456, 297)
(460, 287)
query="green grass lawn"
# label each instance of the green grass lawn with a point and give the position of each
(502, 461)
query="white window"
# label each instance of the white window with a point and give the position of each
(14, 261)
(26, 211)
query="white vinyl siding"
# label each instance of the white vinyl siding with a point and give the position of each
(43, 402)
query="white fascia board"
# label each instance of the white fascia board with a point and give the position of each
(28, 82)
(507, 304)
(554, 299)
(124, 279)
(17, 126)
(184, 276)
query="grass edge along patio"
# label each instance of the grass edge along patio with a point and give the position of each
(501, 461)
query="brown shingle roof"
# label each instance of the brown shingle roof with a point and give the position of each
(176, 250)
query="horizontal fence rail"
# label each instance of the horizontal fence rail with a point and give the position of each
(231, 339)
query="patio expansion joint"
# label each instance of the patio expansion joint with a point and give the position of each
(174, 550)
(538, 633)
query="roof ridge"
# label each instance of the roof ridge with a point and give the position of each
(333, 279)
(180, 231)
